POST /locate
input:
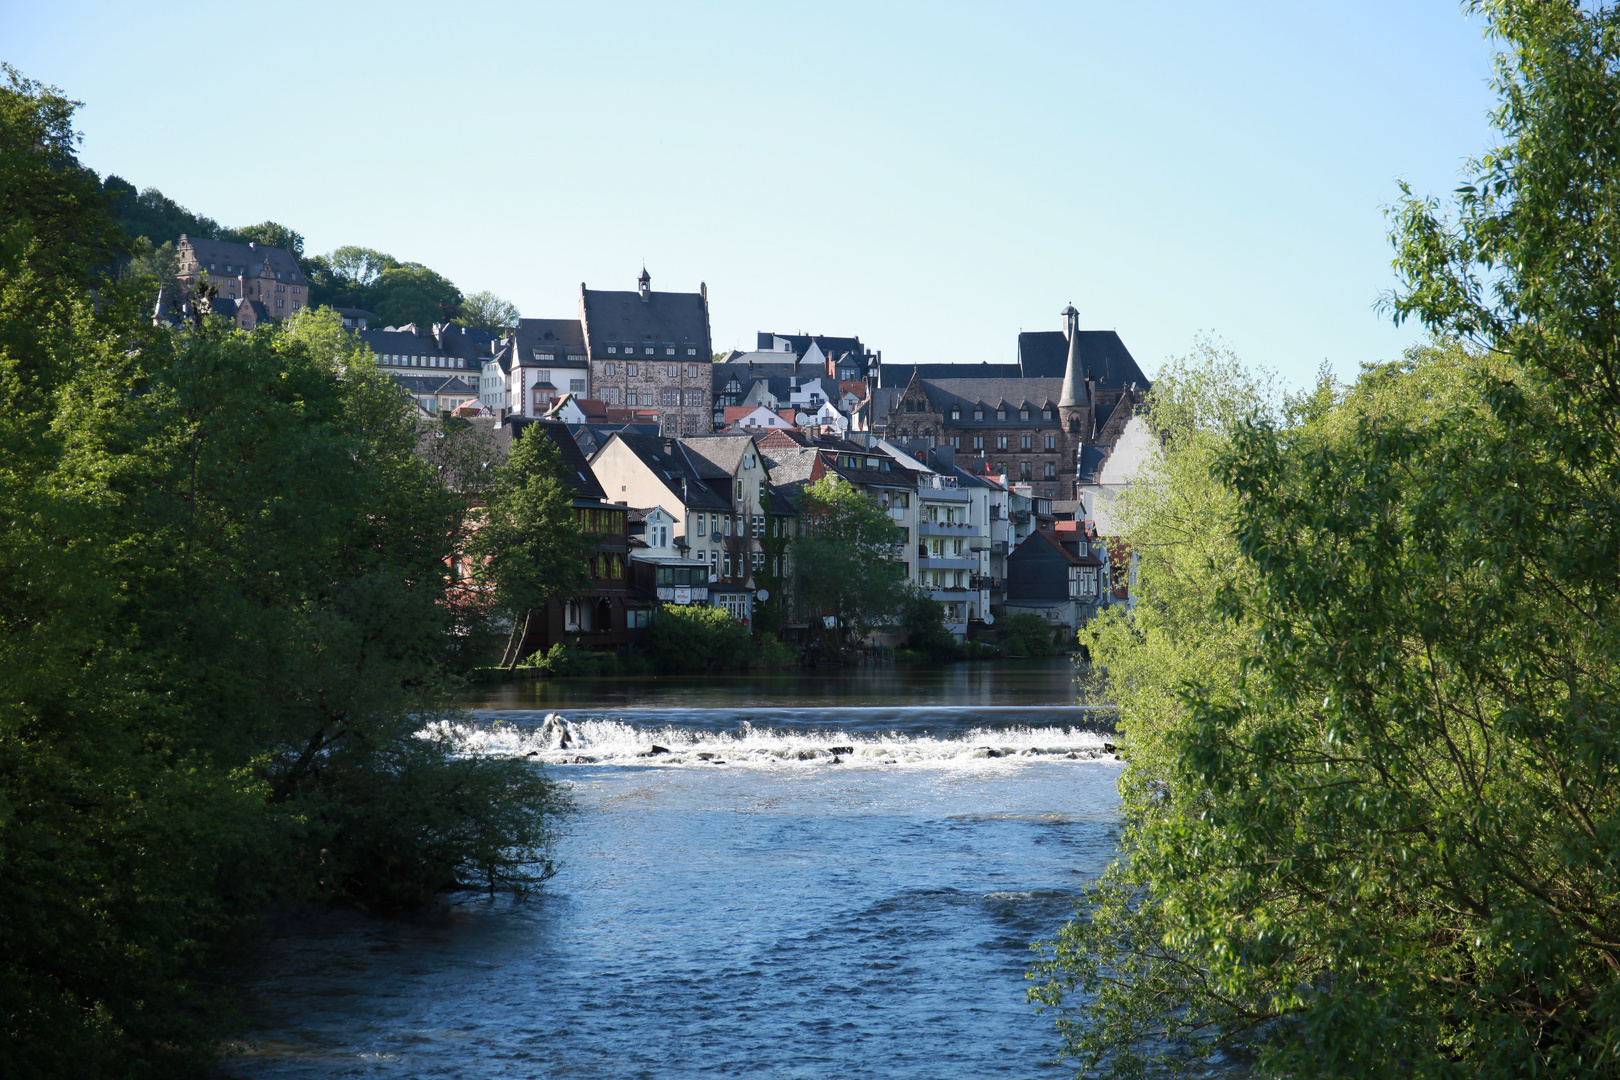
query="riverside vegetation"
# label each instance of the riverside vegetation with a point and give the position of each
(1368, 694)
(223, 594)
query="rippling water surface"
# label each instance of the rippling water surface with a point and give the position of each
(800, 878)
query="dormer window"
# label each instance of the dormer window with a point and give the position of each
(691, 352)
(613, 350)
(538, 355)
(1046, 413)
(669, 351)
(956, 412)
(1023, 414)
(649, 350)
(1001, 414)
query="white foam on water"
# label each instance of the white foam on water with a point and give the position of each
(558, 741)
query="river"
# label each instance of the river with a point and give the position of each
(814, 876)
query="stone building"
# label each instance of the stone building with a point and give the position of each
(651, 349)
(1068, 399)
(244, 272)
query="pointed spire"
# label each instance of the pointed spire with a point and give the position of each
(1074, 387)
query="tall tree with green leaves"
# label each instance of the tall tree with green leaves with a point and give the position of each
(487, 311)
(846, 564)
(223, 601)
(1373, 798)
(529, 547)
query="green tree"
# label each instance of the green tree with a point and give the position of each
(697, 639)
(1375, 830)
(487, 311)
(267, 234)
(846, 562)
(222, 594)
(922, 625)
(153, 215)
(529, 547)
(1025, 635)
(411, 293)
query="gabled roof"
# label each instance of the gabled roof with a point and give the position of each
(1043, 537)
(1042, 354)
(564, 339)
(724, 452)
(245, 259)
(660, 320)
(684, 474)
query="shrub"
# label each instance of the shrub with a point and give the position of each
(1025, 635)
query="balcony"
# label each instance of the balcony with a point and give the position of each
(950, 495)
(947, 528)
(946, 562)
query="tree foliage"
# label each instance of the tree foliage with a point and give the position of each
(222, 592)
(529, 547)
(487, 311)
(846, 562)
(1369, 696)
(1025, 635)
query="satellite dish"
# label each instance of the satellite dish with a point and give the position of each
(762, 595)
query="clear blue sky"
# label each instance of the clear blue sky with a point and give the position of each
(932, 177)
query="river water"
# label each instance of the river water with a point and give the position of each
(809, 877)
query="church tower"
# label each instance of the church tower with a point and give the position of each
(1074, 404)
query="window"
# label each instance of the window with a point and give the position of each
(672, 397)
(757, 526)
(978, 414)
(1023, 443)
(725, 525)
(607, 371)
(758, 560)
(1023, 414)
(610, 396)
(1023, 470)
(956, 441)
(660, 535)
(576, 386)
(739, 491)
(1001, 414)
(1051, 442)
(543, 375)
(630, 370)
(691, 369)
(848, 375)
(764, 492)
(670, 351)
(691, 352)
(545, 356)
(1001, 442)
(638, 618)
(673, 371)
(956, 412)
(978, 442)
(630, 398)
(727, 564)
(701, 524)
(1046, 413)
(714, 561)
(613, 350)
(648, 351)
(1051, 470)
(734, 387)
(693, 398)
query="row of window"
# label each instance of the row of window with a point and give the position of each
(648, 350)
(979, 411)
(609, 566)
(671, 371)
(600, 521)
(725, 566)
(401, 360)
(733, 524)
(1026, 471)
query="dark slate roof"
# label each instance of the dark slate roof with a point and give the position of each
(1092, 457)
(661, 319)
(899, 375)
(790, 466)
(1043, 354)
(446, 340)
(245, 259)
(563, 338)
(576, 470)
(670, 462)
(991, 393)
(435, 384)
(1041, 536)
(748, 374)
(724, 452)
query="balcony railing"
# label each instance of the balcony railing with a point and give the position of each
(947, 528)
(945, 562)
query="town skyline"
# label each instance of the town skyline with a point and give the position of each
(932, 185)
